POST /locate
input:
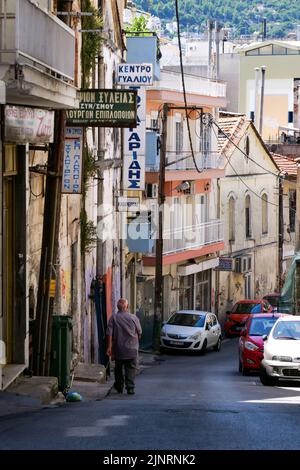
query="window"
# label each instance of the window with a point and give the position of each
(205, 140)
(264, 212)
(279, 50)
(179, 137)
(247, 286)
(292, 209)
(231, 218)
(248, 216)
(247, 146)
(266, 50)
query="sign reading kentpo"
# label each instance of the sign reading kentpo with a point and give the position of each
(104, 108)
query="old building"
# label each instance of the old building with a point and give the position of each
(250, 208)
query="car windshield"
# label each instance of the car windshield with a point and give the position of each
(287, 330)
(261, 326)
(244, 308)
(187, 319)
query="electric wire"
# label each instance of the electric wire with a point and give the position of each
(183, 87)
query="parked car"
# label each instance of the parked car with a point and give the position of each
(251, 345)
(191, 330)
(237, 317)
(281, 351)
(273, 299)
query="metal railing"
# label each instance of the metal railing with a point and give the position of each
(29, 35)
(205, 161)
(194, 236)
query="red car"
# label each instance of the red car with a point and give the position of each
(251, 345)
(237, 317)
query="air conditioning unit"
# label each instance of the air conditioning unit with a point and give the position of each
(243, 264)
(151, 190)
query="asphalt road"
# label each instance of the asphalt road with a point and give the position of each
(184, 402)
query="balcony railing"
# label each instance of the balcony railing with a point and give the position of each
(205, 161)
(192, 237)
(29, 35)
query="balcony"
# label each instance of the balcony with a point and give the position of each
(192, 237)
(184, 243)
(37, 55)
(205, 161)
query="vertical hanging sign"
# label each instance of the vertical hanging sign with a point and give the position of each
(134, 148)
(72, 164)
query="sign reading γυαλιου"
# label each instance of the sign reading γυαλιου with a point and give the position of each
(104, 108)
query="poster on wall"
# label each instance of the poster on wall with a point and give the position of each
(72, 162)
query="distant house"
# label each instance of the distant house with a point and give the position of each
(281, 59)
(249, 207)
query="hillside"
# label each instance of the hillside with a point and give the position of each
(243, 16)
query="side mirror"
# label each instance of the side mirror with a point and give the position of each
(208, 327)
(264, 337)
(243, 332)
(163, 322)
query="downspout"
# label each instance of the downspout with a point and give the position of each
(256, 91)
(261, 114)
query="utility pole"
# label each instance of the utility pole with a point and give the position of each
(280, 232)
(158, 301)
(297, 234)
(262, 92)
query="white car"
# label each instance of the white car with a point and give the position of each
(281, 351)
(191, 330)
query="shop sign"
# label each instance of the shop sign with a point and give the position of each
(131, 204)
(104, 108)
(135, 74)
(28, 125)
(134, 149)
(72, 163)
(225, 264)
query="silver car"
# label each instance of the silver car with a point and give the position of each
(191, 330)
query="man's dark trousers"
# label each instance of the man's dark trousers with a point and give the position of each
(130, 366)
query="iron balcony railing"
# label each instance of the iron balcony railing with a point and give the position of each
(192, 237)
(30, 35)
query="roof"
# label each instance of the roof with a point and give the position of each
(285, 164)
(233, 126)
(258, 44)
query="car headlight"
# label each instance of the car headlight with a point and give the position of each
(282, 358)
(250, 346)
(196, 336)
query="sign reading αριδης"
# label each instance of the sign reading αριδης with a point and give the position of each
(104, 108)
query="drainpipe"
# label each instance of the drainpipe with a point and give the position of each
(210, 26)
(256, 91)
(217, 39)
(261, 115)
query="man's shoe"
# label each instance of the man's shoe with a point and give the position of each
(130, 391)
(118, 389)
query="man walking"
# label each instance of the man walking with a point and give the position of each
(123, 333)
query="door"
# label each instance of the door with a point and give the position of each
(216, 330)
(209, 331)
(9, 265)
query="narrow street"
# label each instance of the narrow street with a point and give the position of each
(183, 402)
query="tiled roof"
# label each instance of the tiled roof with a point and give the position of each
(285, 164)
(234, 127)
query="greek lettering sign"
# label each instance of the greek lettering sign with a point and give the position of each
(135, 74)
(128, 204)
(72, 164)
(134, 149)
(104, 108)
(225, 264)
(28, 125)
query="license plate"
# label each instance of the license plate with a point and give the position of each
(176, 343)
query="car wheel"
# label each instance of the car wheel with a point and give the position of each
(266, 379)
(204, 346)
(217, 347)
(244, 370)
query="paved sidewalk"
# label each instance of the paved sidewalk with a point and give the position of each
(29, 394)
